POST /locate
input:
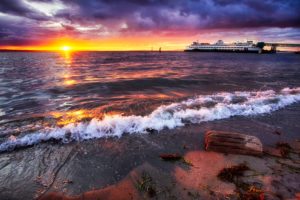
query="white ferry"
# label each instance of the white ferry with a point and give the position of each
(220, 46)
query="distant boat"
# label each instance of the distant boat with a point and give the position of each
(220, 46)
(159, 50)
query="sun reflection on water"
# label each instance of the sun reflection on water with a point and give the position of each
(69, 82)
(64, 118)
(67, 58)
(74, 116)
(66, 74)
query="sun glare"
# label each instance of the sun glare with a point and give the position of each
(66, 48)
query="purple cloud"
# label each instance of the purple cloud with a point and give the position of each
(27, 21)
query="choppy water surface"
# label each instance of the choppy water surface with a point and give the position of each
(84, 95)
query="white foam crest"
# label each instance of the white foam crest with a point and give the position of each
(223, 105)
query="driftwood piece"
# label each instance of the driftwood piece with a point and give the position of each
(230, 142)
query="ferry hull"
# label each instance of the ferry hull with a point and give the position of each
(223, 51)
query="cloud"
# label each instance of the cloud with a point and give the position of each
(207, 14)
(20, 8)
(160, 17)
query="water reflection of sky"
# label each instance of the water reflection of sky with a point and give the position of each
(89, 82)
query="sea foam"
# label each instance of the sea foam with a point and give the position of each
(195, 110)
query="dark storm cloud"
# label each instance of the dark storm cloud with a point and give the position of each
(18, 33)
(19, 8)
(208, 14)
(165, 17)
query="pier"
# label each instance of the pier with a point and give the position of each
(275, 45)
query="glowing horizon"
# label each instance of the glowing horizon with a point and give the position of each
(111, 44)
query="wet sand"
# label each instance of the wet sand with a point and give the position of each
(115, 168)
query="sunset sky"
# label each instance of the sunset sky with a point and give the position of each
(143, 24)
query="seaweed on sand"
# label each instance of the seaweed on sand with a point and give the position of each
(231, 173)
(170, 157)
(175, 157)
(146, 184)
(245, 191)
(252, 193)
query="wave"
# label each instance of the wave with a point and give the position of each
(195, 110)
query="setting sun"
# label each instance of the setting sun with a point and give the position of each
(66, 48)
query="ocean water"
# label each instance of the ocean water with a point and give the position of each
(80, 96)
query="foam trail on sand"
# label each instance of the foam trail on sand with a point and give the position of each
(195, 110)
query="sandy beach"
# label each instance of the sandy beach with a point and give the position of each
(130, 167)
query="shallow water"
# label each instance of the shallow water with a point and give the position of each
(85, 95)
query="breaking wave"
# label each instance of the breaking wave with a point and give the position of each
(195, 110)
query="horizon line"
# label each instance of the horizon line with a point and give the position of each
(81, 50)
